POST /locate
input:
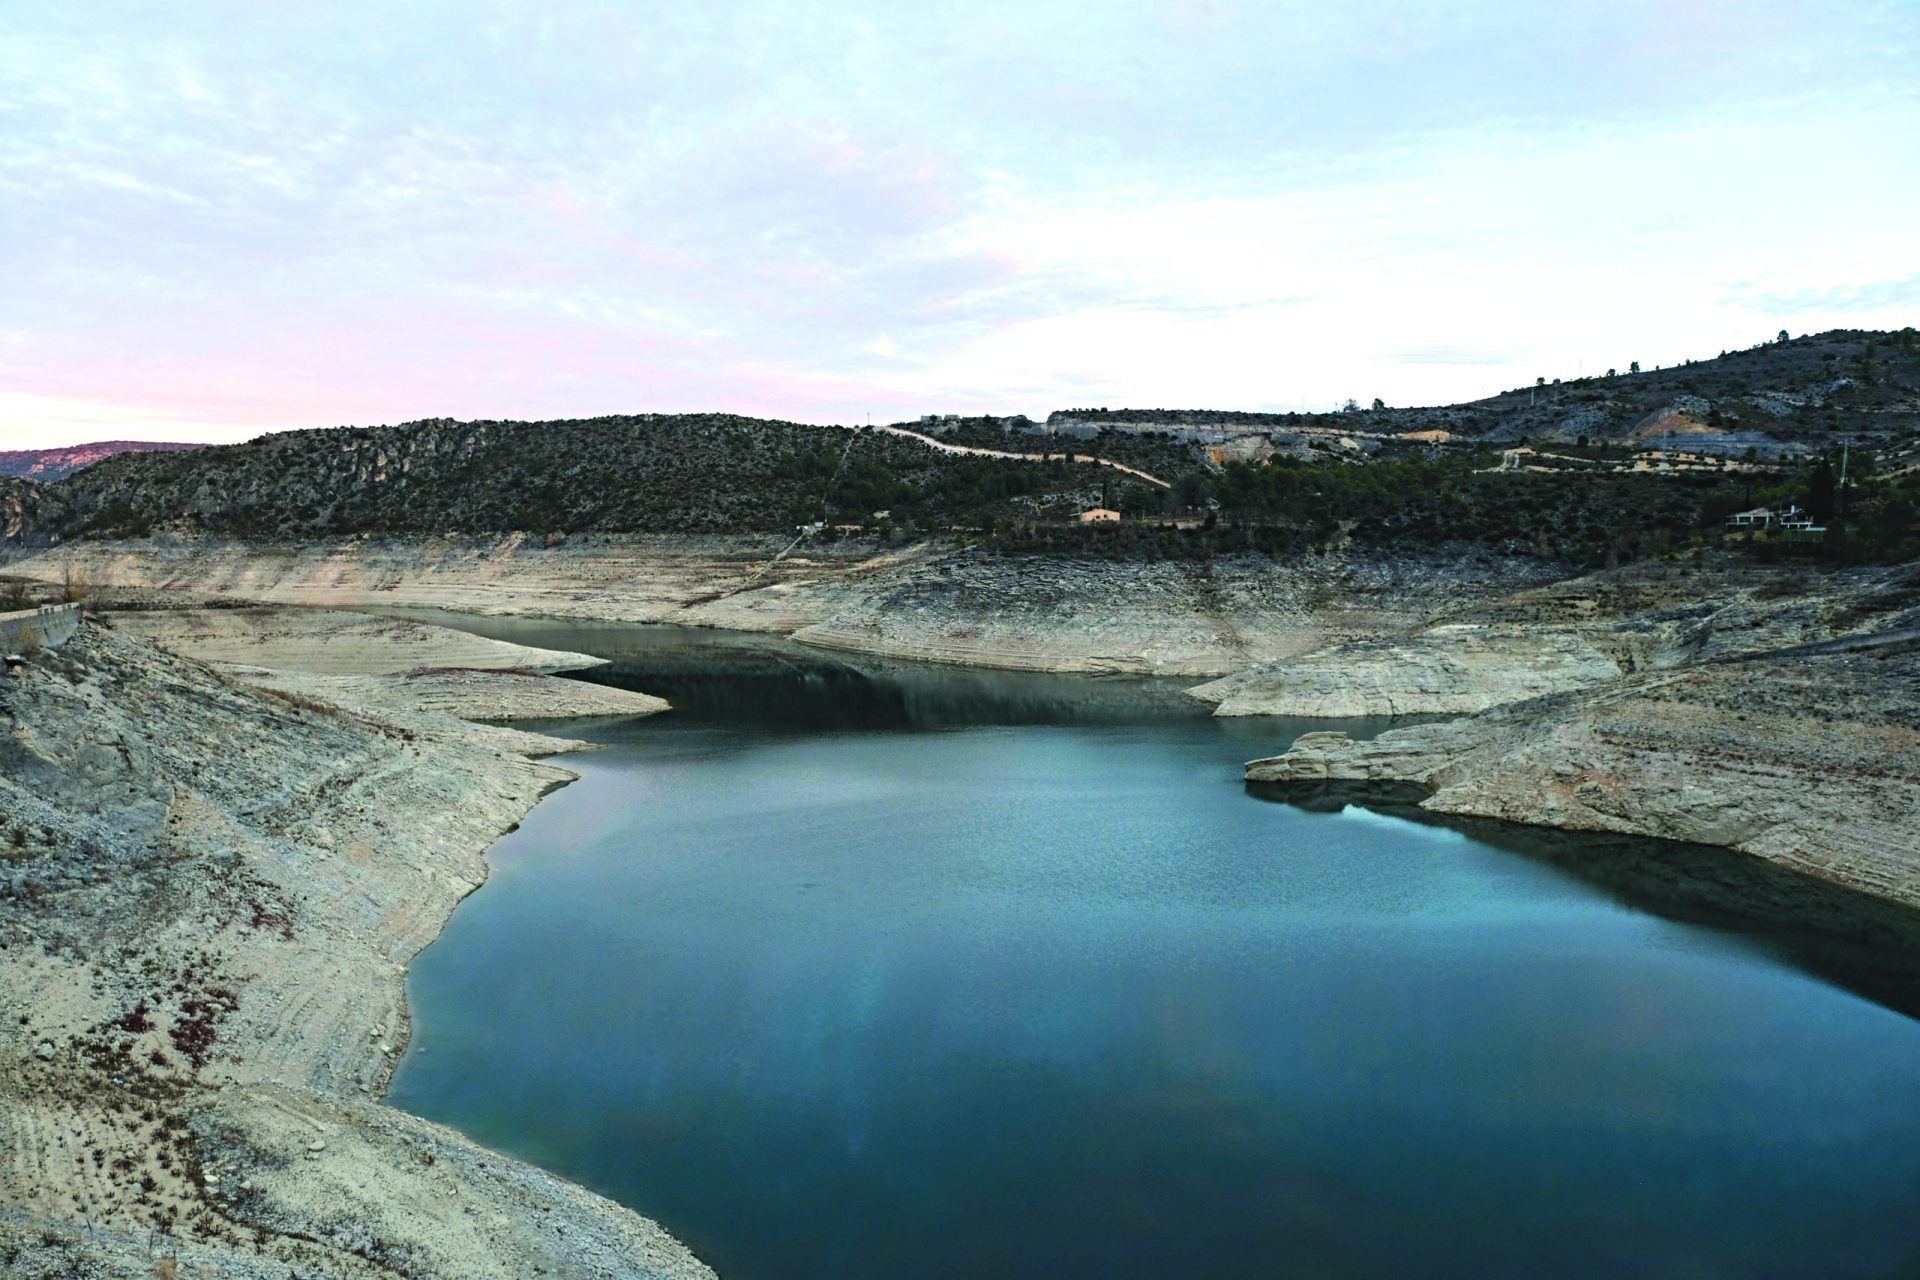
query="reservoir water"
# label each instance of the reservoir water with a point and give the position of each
(850, 970)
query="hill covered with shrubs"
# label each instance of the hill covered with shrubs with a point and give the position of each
(1814, 389)
(688, 473)
(1855, 464)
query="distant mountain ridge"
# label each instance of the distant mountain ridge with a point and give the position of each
(45, 465)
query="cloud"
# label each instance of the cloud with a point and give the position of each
(1471, 356)
(1872, 297)
(233, 216)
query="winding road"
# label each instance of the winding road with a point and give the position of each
(974, 450)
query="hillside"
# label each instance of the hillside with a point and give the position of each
(1806, 392)
(27, 515)
(1812, 390)
(47, 465)
(708, 475)
(689, 473)
(1615, 468)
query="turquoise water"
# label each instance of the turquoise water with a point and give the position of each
(854, 971)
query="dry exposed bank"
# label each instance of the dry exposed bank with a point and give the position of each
(1170, 618)
(1189, 618)
(208, 898)
(395, 666)
(1810, 760)
(1577, 633)
(1332, 635)
(591, 578)
(458, 692)
(333, 642)
(1768, 709)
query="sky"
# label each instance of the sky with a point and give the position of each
(218, 219)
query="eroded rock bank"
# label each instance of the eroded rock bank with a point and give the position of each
(208, 898)
(1576, 633)
(1442, 670)
(1809, 758)
(928, 602)
(1170, 618)
(334, 642)
(1328, 635)
(1769, 709)
(635, 578)
(395, 666)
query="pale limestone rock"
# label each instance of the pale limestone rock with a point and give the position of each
(302, 947)
(1809, 761)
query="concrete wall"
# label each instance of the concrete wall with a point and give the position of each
(47, 626)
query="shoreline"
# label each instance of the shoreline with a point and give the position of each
(1692, 753)
(1477, 638)
(1199, 619)
(1866, 943)
(1810, 762)
(219, 913)
(402, 1039)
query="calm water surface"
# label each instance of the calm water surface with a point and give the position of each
(848, 971)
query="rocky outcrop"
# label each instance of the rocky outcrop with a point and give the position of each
(605, 579)
(1170, 618)
(208, 898)
(1580, 633)
(332, 642)
(25, 511)
(1446, 670)
(1191, 618)
(1808, 760)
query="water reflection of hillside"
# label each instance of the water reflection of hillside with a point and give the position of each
(826, 691)
(1865, 944)
(736, 676)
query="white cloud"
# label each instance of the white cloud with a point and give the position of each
(233, 217)
(30, 421)
(1547, 256)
